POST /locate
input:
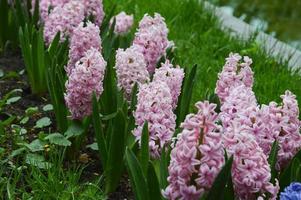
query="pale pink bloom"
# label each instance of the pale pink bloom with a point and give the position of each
(155, 106)
(251, 173)
(197, 157)
(63, 19)
(130, 69)
(173, 77)
(86, 78)
(123, 23)
(266, 123)
(94, 9)
(83, 39)
(234, 74)
(151, 37)
(45, 7)
(289, 137)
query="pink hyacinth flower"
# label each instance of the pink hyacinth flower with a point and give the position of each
(94, 9)
(173, 77)
(83, 39)
(151, 38)
(123, 23)
(251, 173)
(234, 74)
(289, 137)
(197, 157)
(45, 7)
(130, 68)
(155, 106)
(63, 19)
(86, 78)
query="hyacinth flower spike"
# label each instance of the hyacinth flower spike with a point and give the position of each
(86, 78)
(151, 38)
(155, 106)
(197, 157)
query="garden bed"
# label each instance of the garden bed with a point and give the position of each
(198, 40)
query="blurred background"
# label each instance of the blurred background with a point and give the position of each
(280, 18)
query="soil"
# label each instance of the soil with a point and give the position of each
(11, 63)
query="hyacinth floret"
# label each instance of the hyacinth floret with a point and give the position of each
(84, 37)
(94, 10)
(123, 23)
(266, 123)
(173, 77)
(251, 173)
(197, 157)
(289, 137)
(86, 78)
(45, 7)
(234, 74)
(151, 38)
(130, 69)
(155, 106)
(291, 192)
(63, 19)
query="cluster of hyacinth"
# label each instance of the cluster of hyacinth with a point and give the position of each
(84, 37)
(260, 124)
(198, 155)
(151, 38)
(267, 122)
(234, 74)
(289, 137)
(155, 107)
(63, 19)
(251, 172)
(67, 15)
(291, 192)
(45, 7)
(173, 77)
(123, 23)
(94, 10)
(86, 78)
(130, 69)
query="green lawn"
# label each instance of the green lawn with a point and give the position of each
(199, 40)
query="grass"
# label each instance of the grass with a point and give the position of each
(199, 40)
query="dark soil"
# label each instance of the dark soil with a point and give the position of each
(15, 78)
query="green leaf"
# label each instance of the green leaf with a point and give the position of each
(99, 134)
(144, 153)
(31, 110)
(153, 183)
(295, 171)
(58, 139)
(137, 178)
(134, 97)
(37, 161)
(1, 73)
(186, 94)
(48, 107)
(12, 100)
(17, 152)
(43, 122)
(75, 129)
(114, 166)
(24, 120)
(273, 159)
(93, 146)
(217, 190)
(164, 168)
(2, 150)
(36, 145)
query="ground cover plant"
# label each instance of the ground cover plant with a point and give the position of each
(103, 105)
